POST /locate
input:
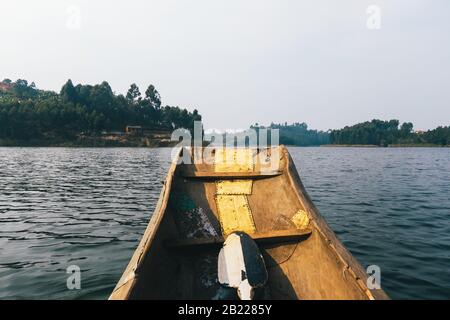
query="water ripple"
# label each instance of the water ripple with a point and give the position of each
(390, 207)
(89, 207)
(60, 207)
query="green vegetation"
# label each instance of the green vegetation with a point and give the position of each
(389, 133)
(297, 134)
(30, 114)
(376, 133)
(77, 115)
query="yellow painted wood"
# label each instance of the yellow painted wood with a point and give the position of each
(234, 214)
(234, 186)
(301, 219)
(233, 160)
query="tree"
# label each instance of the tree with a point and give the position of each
(68, 92)
(440, 135)
(152, 95)
(196, 116)
(22, 83)
(22, 90)
(133, 93)
(406, 128)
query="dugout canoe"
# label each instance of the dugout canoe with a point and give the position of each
(262, 196)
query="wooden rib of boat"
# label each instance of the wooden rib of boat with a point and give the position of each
(201, 204)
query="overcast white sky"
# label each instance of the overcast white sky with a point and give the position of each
(244, 61)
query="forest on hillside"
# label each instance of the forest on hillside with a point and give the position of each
(385, 133)
(375, 132)
(297, 134)
(27, 112)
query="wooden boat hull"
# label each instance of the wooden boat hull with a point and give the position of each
(177, 256)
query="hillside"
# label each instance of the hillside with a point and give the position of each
(29, 115)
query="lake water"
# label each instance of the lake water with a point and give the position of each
(89, 207)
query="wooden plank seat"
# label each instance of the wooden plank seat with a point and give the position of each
(275, 236)
(207, 175)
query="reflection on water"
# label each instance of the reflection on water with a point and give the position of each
(89, 207)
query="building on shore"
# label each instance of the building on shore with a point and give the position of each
(5, 86)
(134, 130)
(147, 131)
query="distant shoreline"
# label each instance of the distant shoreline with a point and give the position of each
(409, 145)
(151, 143)
(372, 146)
(425, 145)
(88, 142)
(350, 145)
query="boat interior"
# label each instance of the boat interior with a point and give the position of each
(255, 191)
